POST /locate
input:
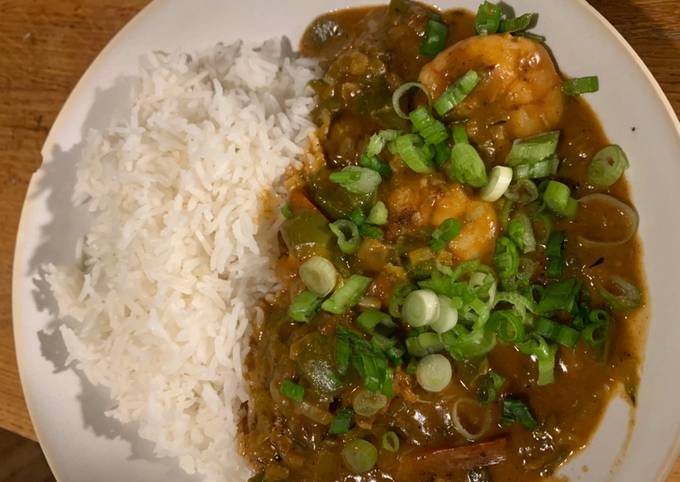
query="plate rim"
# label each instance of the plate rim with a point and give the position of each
(672, 453)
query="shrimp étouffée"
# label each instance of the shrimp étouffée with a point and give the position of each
(519, 93)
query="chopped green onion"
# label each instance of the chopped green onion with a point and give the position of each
(554, 250)
(599, 316)
(456, 93)
(596, 334)
(488, 387)
(416, 156)
(445, 232)
(397, 299)
(466, 166)
(517, 24)
(369, 362)
(448, 316)
(341, 422)
(508, 326)
(342, 354)
(430, 129)
(286, 211)
(521, 303)
(464, 344)
(460, 134)
(304, 307)
(499, 181)
(369, 319)
(544, 354)
(372, 232)
(506, 211)
(546, 366)
(531, 36)
(382, 343)
(607, 166)
(533, 149)
(582, 85)
(399, 93)
(546, 327)
(378, 140)
(562, 334)
(543, 226)
(521, 232)
(319, 275)
(567, 336)
(424, 344)
(378, 214)
(435, 38)
(292, 390)
(522, 191)
(434, 372)
(557, 197)
(421, 307)
(488, 18)
(367, 403)
(376, 164)
(506, 258)
(546, 168)
(559, 296)
(358, 180)
(390, 442)
(348, 235)
(623, 295)
(516, 411)
(347, 295)
(359, 456)
(442, 153)
(357, 217)
(412, 366)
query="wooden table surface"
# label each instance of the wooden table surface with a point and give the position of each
(46, 45)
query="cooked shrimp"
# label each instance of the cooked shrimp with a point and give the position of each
(519, 93)
(477, 238)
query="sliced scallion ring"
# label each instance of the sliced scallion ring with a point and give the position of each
(358, 180)
(626, 210)
(319, 275)
(421, 308)
(458, 424)
(414, 154)
(390, 442)
(623, 295)
(348, 235)
(359, 455)
(531, 150)
(522, 191)
(367, 403)
(557, 197)
(581, 85)
(378, 140)
(347, 295)
(456, 93)
(607, 166)
(378, 214)
(399, 93)
(499, 181)
(434, 372)
(448, 316)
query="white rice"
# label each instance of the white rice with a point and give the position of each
(178, 256)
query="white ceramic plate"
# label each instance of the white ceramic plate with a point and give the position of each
(82, 445)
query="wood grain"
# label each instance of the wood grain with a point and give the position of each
(46, 45)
